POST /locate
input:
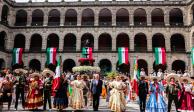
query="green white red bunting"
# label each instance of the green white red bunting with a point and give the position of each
(51, 55)
(87, 52)
(57, 76)
(123, 55)
(17, 56)
(160, 56)
(192, 56)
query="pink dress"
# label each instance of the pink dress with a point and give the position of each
(186, 103)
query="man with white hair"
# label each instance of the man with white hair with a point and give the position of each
(96, 90)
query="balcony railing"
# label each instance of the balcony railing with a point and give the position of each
(176, 24)
(140, 23)
(53, 23)
(21, 24)
(70, 23)
(37, 24)
(69, 49)
(105, 49)
(158, 24)
(88, 23)
(122, 24)
(140, 49)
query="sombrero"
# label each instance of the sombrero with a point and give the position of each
(17, 71)
(172, 75)
(185, 78)
(35, 74)
(155, 77)
(84, 75)
(44, 72)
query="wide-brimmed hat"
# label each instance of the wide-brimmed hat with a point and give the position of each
(155, 77)
(185, 78)
(172, 75)
(85, 76)
(47, 71)
(35, 74)
(17, 71)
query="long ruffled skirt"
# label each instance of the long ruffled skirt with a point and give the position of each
(187, 105)
(34, 99)
(156, 104)
(117, 101)
(77, 100)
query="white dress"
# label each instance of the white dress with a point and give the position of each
(117, 101)
(77, 99)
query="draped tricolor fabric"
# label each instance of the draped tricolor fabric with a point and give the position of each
(87, 52)
(136, 75)
(51, 55)
(192, 56)
(160, 56)
(123, 55)
(17, 55)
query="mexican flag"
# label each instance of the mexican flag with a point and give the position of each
(17, 56)
(123, 55)
(160, 56)
(87, 52)
(51, 55)
(192, 56)
(56, 80)
(136, 76)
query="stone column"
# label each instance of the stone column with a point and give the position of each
(96, 18)
(131, 17)
(149, 42)
(61, 44)
(62, 17)
(27, 43)
(45, 23)
(29, 17)
(10, 41)
(185, 19)
(114, 17)
(96, 44)
(12, 17)
(114, 42)
(44, 42)
(167, 18)
(131, 41)
(167, 42)
(79, 16)
(78, 43)
(1, 8)
(149, 18)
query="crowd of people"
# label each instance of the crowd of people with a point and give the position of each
(79, 91)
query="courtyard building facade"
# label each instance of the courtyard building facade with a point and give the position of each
(139, 25)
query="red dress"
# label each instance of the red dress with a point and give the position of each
(34, 96)
(186, 99)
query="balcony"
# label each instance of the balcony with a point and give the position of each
(122, 24)
(140, 23)
(37, 24)
(70, 24)
(176, 24)
(105, 23)
(88, 23)
(158, 24)
(53, 23)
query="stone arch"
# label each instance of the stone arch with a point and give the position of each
(69, 42)
(122, 40)
(158, 40)
(3, 37)
(88, 17)
(68, 64)
(36, 43)
(19, 41)
(122, 17)
(4, 14)
(37, 17)
(143, 64)
(105, 17)
(105, 65)
(21, 18)
(53, 40)
(179, 65)
(177, 42)
(140, 42)
(123, 68)
(35, 65)
(54, 17)
(105, 42)
(176, 17)
(160, 66)
(2, 63)
(140, 17)
(87, 37)
(71, 17)
(157, 17)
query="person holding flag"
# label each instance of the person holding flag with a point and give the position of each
(60, 88)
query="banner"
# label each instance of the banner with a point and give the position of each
(136, 75)
(123, 55)
(87, 52)
(160, 56)
(51, 56)
(17, 56)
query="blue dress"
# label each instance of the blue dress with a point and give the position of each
(156, 104)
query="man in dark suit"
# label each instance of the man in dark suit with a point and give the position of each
(96, 90)
(143, 91)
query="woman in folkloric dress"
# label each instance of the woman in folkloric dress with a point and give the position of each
(117, 97)
(34, 96)
(186, 103)
(156, 101)
(77, 99)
